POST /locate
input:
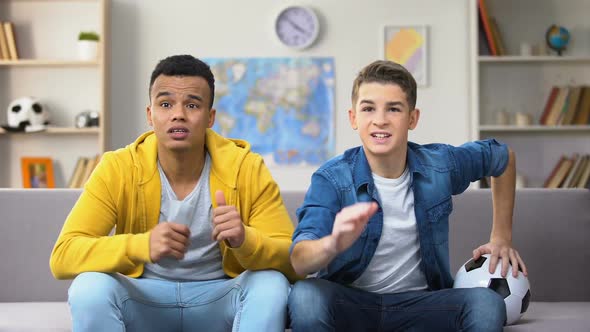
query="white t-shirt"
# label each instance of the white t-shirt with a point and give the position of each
(395, 267)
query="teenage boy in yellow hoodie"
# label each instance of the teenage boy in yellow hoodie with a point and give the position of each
(201, 233)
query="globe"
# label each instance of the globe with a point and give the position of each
(557, 38)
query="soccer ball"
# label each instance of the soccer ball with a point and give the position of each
(26, 114)
(515, 291)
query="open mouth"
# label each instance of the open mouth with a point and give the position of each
(177, 130)
(381, 135)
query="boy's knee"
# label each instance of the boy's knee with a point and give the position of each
(487, 305)
(267, 282)
(92, 289)
(310, 305)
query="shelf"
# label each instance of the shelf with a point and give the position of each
(525, 59)
(533, 128)
(58, 131)
(48, 63)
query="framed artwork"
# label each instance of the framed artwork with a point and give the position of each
(408, 46)
(37, 172)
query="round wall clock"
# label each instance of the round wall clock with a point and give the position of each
(297, 27)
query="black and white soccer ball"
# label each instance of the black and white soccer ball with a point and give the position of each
(26, 114)
(515, 291)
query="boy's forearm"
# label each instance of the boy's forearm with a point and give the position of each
(503, 192)
(310, 256)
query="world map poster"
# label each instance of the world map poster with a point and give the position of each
(284, 107)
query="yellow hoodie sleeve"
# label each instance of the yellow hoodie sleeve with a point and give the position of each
(84, 243)
(267, 222)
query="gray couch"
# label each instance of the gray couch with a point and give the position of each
(551, 228)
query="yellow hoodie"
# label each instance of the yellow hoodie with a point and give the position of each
(124, 192)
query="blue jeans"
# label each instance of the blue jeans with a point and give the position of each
(321, 305)
(253, 301)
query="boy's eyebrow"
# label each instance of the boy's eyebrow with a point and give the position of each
(389, 103)
(199, 98)
(166, 93)
(163, 93)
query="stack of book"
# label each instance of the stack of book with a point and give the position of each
(7, 42)
(490, 39)
(82, 171)
(571, 172)
(567, 105)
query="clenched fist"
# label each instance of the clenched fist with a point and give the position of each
(169, 239)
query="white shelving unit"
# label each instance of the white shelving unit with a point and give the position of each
(521, 84)
(46, 34)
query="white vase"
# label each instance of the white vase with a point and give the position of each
(87, 50)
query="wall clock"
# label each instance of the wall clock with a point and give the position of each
(297, 27)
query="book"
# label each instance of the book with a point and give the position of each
(482, 42)
(572, 106)
(549, 104)
(498, 41)
(576, 159)
(4, 54)
(562, 171)
(583, 113)
(9, 34)
(90, 166)
(585, 176)
(553, 171)
(485, 19)
(579, 170)
(557, 107)
(77, 174)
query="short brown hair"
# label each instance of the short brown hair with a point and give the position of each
(387, 72)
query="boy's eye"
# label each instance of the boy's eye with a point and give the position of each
(394, 109)
(367, 109)
(192, 106)
(165, 104)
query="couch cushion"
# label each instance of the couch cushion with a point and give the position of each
(554, 316)
(54, 317)
(31, 222)
(35, 316)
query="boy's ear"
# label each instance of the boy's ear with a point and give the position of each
(212, 113)
(148, 112)
(414, 117)
(352, 118)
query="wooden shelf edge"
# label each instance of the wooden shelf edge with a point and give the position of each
(57, 131)
(49, 63)
(534, 128)
(532, 58)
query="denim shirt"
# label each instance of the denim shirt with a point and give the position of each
(437, 172)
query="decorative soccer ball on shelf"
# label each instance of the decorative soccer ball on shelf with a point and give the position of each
(557, 38)
(26, 114)
(515, 291)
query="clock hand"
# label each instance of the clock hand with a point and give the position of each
(296, 26)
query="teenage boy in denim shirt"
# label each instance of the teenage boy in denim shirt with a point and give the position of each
(374, 223)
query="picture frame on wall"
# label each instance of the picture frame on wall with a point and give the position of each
(408, 46)
(37, 172)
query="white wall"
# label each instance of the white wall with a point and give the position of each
(146, 31)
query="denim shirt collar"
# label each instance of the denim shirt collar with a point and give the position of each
(361, 171)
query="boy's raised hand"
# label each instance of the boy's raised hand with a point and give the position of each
(227, 223)
(349, 224)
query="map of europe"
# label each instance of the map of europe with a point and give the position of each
(284, 107)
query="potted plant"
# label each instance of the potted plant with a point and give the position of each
(88, 45)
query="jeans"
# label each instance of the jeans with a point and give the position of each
(253, 301)
(321, 305)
